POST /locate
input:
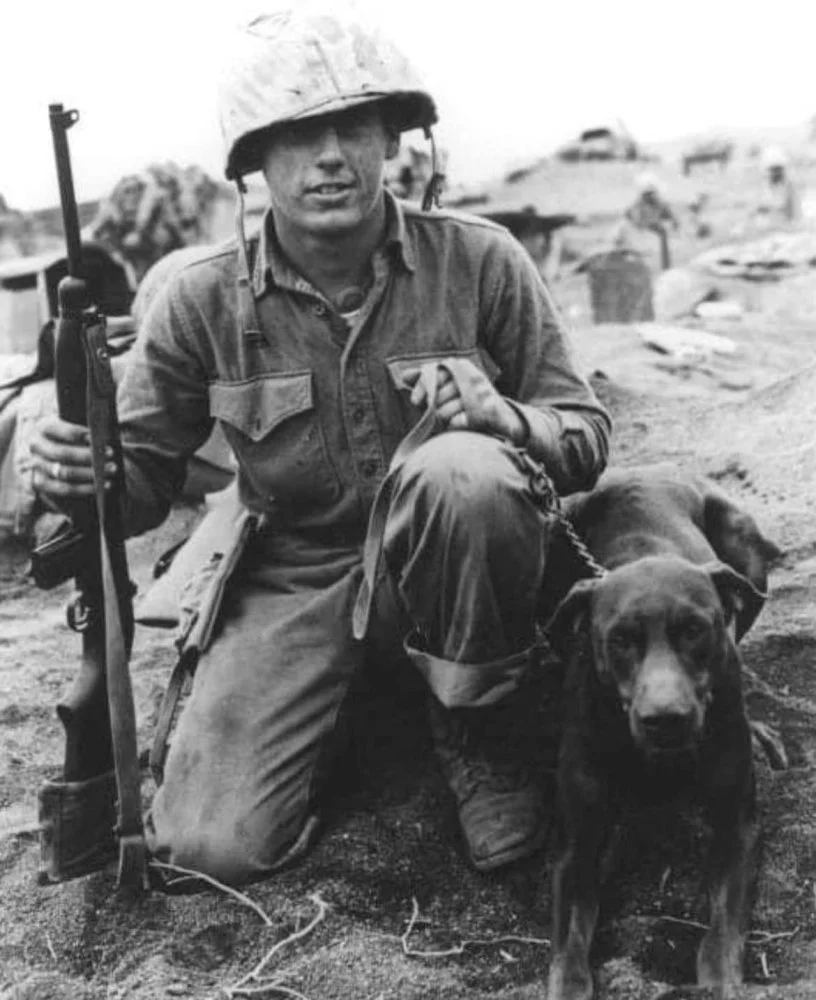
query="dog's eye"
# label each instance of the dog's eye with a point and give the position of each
(692, 629)
(623, 640)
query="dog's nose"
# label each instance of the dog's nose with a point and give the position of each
(668, 730)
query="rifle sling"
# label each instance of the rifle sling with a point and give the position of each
(101, 422)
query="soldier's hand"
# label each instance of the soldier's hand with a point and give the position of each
(62, 465)
(477, 406)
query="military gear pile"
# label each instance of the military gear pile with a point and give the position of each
(151, 213)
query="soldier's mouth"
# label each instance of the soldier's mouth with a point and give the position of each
(332, 188)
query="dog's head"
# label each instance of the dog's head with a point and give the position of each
(661, 632)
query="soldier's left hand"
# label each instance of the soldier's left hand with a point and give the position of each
(477, 407)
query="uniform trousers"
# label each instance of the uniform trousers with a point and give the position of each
(464, 553)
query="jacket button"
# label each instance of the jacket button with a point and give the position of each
(358, 415)
(319, 309)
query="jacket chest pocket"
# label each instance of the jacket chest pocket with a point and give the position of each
(274, 429)
(398, 368)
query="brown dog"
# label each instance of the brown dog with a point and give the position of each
(654, 699)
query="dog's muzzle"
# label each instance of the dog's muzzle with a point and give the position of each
(666, 714)
(667, 731)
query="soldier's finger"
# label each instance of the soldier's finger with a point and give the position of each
(52, 483)
(449, 410)
(446, 392)
(78, 456)
(63, 431)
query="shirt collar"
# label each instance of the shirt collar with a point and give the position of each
(272, 267)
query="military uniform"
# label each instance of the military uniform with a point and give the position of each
(314, 405)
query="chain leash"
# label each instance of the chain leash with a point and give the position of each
(549, 503)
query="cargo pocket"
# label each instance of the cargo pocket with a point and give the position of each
(273, 427)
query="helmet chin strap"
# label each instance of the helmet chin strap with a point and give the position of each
(246, 298)
(240, 228)
(430, 197)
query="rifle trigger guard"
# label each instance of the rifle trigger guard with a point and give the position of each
(78, 614)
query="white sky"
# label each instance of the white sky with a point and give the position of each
(512, 78)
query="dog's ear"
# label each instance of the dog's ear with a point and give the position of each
(736, 537)
(741, 600)
(569, 616)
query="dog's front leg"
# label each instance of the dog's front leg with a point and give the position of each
(576, 879)
(732, 814)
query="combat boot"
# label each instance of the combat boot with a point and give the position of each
(485, 756)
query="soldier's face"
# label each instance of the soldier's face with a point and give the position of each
(130, 194)
(325, 173)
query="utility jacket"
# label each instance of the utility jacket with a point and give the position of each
(314, 404)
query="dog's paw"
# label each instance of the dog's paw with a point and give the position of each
(767, 739)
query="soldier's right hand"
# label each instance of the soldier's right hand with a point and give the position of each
(62, 467)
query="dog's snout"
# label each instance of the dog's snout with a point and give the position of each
(666, 715)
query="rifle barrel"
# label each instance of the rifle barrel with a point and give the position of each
(61, 121)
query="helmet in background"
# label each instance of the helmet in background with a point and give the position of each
(774, 157)
(647, 180)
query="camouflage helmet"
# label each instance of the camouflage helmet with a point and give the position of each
(297, 63)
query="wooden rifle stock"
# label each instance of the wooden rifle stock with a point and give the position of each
(98, 713)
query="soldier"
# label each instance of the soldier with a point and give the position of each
(317, 344)
(779, 203)
(651, 212)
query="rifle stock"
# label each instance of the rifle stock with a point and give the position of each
(97, 714)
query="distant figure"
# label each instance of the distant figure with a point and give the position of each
(540, 235)
(408, 174)
(779, 204)
(650, 211)
(701, 227)
(17, 235)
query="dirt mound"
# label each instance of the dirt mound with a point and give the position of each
(760, 446)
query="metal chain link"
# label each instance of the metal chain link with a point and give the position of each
(580, 547)
(548, 501)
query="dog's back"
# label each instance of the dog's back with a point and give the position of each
(638, 512)
(661, 510)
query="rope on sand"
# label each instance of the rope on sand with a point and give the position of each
(254, 984)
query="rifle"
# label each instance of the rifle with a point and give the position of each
(96, 806)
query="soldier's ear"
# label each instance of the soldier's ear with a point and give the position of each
(569, 617)
(392, 143)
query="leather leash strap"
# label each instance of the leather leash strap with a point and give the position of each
(422, 431)
(101, 394)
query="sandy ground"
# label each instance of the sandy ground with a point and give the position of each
(390, 841)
